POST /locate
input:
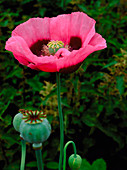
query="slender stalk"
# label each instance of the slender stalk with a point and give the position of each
(61, 121)
(65, 148)
(39, 159)
(23, 154)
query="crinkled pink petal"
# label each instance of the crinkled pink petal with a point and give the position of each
(23, 54)
(33, 30)
(51, 63)
(62, 52)
(47, 67)
(77, 57)
(21, 60)
(98, 41)
(19, 47)
(76, 24)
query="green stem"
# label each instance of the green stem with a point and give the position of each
(65, 148)
(39, 159)
(23, 156)
(61, 121)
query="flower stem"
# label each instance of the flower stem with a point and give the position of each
(23, 156)
(65, 148)
(39, 159)
(61, 121)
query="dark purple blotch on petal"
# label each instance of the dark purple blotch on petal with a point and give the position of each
(36, 48)
(75, 43)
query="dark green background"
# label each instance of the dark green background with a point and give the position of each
(93, 98)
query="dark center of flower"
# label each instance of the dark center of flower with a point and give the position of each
(52, 47)
(33, 117)
(36, 48)
(47, 47)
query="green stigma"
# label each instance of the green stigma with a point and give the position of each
(33, 117)
(54, 46)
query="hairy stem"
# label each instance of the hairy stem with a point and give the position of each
(61, 121)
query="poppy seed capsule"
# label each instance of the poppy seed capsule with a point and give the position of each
(35, 133)
(54, 46)
(17, 121)
(75, 162)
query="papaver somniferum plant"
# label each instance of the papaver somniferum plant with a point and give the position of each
(59, 44)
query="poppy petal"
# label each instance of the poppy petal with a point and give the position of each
(19, 47)
(98, 41)
(47, 67)
(76, 24)
(33, 30)
(77, 57)
(21, 60)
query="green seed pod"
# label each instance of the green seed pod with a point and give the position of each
(17, 121)
(75, 162)
(35, 133)
(54, 46)
(34, 127)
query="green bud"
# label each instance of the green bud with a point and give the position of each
(17, 121)
(75, 162)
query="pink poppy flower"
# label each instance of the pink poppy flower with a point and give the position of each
(58, 44)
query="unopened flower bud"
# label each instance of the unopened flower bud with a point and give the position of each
(75, 162)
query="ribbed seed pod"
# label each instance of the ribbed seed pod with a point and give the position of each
(35, 133)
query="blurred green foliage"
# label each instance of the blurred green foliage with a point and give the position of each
(93, 98)
(98, 164)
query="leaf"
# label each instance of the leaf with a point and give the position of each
(12, 165)
(35, 83)
(82, 7)
(15, 72)
(8, 120)
(52, 165)
(42, 11)
(109, 64)
(99, 164)
(4, 108)
(67, 2)
(120, 84)
(31, 164)
(85, 165)
(44, 154)
(109, 132)
(9, 140)
(89, 120)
